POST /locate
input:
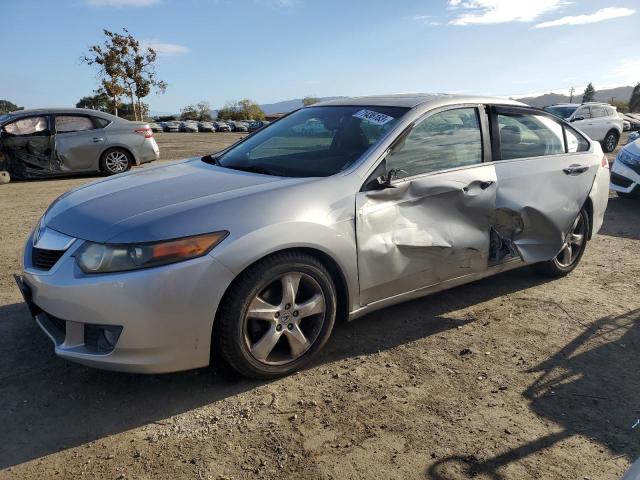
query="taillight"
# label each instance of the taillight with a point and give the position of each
(604, 163)
(147, 132)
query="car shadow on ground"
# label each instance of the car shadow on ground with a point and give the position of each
(48, 404)
(589, 388)
(623, 217)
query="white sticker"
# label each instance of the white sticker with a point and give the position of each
(373, 117)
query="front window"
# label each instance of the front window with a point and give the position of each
(29, 126)
(560, 111)
(313, 142)
(529, 135)
(448, 139)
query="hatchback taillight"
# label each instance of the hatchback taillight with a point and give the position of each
(604, 163)
(146, 132)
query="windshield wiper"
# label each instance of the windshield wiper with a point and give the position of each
(250, 168)
(211, 159)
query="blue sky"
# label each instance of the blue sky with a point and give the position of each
(272, 50)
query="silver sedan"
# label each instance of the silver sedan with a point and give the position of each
(50, 142)
(257, 250)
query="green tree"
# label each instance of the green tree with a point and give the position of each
(306, 101)
(100, 101)
(589, 94)
(124, 68)
(6, 106)
(241, 110)
(190, 112)
(620, 106)
(634, 101)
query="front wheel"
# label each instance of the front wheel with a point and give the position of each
(610, 142)
(574, 246)
(277, 316)
(115, 160)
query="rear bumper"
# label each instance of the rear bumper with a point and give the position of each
(162, 318)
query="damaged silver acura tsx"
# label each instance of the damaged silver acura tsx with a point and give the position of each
(333, 211)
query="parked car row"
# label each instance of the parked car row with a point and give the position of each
(193, 126)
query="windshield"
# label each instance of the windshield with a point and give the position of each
(313, 142)
(562, 112)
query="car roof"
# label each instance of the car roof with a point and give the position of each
(411, 100)
(48, 111)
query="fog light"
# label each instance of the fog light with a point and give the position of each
(101, 338)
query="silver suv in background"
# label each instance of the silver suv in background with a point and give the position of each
(600, 121)
(49, 142)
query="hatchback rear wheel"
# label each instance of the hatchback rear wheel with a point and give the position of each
(277, 315)
(115, 160)
(610, 141)
(574, 246)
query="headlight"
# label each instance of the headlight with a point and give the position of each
(102, 258)
(625, 157)
(633, 136)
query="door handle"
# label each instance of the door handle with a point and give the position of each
(474, 185)
(98, 139)
(485, 185)
(575, 169)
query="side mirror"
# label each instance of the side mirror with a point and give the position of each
(577, 119)
(379, 178)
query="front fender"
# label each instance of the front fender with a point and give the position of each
(336, 241)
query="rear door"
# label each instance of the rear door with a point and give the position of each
(544, 173)
(27, 145)
(432, 223)
(585, 124)
(79, 141)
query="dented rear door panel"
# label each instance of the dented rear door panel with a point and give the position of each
(424, 230)
(543, 200)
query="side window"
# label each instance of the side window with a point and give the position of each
(30, 126)
(575, 141)
(583, 112)
(72, 123)
(597, 112)
(100, 122)
(529, 135)
(444, 140)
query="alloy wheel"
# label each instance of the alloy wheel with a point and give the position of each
(610, 142)
(573, 243)
(284, 319)
(116, 162)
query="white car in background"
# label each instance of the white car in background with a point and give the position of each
(600, 121)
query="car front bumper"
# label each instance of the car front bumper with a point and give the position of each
(162, 317)
(624, 179)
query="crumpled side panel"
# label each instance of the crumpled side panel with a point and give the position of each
(424, 231)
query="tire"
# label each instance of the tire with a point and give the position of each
(4, 177)
(115, 160)
(610, 141)
(271, 346)
(558, 266)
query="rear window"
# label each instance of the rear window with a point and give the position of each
(73, 123)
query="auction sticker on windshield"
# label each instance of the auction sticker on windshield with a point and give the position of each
(373, 117)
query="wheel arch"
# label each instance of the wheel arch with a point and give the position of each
(588, 206)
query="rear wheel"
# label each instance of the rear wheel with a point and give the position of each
(610, 141)
(277, 315)
(574, 246)
(115, 160)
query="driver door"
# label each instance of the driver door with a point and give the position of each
(27, 145)
(432, 222)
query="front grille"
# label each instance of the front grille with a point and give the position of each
(620, 180)
(45, 259)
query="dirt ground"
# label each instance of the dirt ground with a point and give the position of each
(512, 377)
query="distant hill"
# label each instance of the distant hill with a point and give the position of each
(620, 94)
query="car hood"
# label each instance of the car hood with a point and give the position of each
(155, 203)
(633, 148)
